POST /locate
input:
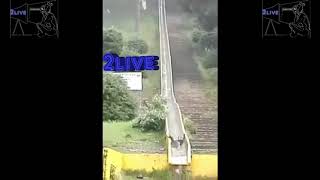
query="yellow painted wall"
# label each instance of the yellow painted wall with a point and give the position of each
(201, 165)
(123, 161)
(114, 158)
(204, 165)
(144, 162)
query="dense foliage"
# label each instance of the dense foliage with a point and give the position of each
(210, 60)
(152, 116)
(112, 41)
(118, 104)
(138, 45)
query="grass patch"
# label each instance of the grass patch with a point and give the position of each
(165, 174)
(155, 174)
(121, 136)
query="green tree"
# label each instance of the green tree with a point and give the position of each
(204, 10)
(138, 45)
(196, 35)
(204, 41)
(118, 104)
(208, 40)
(127, 52)
(153, 115)
(206, 13)
(112, 41)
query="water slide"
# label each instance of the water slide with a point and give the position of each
(179, 149)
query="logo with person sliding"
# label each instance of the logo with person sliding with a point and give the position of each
(36, 19)
(286, 19)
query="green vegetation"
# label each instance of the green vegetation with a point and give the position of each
(149, 35)
(203, 40)
(126, 52)
(112, 41)
(138, 45)
(118, 104)
(165, 174)
(152, 115)
(202, 26)
(189, 125)
(120, 37)
(210, 61)
(122, 137)
(210, 76)
(155, 174)
(205, 14)
(207, 64)
(196, 35)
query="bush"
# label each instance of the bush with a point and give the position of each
(152, 120)
(153, 115)
(196, 35)
(210, 60)
(208, 41)
(204, 41)
(189, 125)
(112, 41)
(128, 52)
(118, 104)
(138, 45)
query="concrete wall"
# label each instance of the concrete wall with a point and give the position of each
(113, 158)
(204, 165)
(201, 165)
(146, 162)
